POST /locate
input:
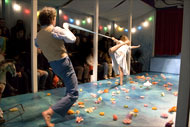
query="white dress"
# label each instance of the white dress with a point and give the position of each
(119, 59)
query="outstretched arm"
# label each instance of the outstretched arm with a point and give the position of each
(114, 48)
(114, 39)
(64, 34)
(134, 47)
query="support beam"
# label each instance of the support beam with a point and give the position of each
(95, 43)
(3, 8)
(183, 102)
(154, 34)
(57, 18)
(129, 33)
(113, 27)
(33, 48)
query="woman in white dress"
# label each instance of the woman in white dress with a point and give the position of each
(118, 54)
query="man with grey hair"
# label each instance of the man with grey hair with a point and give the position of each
(50, 40)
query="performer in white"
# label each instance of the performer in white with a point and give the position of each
(118, 54)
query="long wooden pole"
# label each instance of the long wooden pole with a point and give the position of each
(95, 44)
(33, 48)
(129, 33)
(183, 102)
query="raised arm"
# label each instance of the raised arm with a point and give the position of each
(114, 39)
(114, 48)
(64, 34)
(134, 47)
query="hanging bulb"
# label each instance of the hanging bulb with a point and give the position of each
(89, 20)
(133, 30)
(77, 22)
(146, 24)
(16, 7)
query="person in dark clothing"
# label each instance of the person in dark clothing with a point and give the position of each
(19, 26)
(21, 81)
(102, 65)
(5, 30)
(5, 39)
(19, 43)
(105, 43)
(78, 60)
(45, 73)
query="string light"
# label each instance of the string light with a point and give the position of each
(77, 22)
(105, 29)
(120, 28)
(115, 25)
(146, 24)
(109, 27)
(26, 11)
(38, 13)
(65, 17)
(6, 1)
(89, 20)
(71, 20)
(16, 7)
(133, 30)
(139, 27)
(60, 12)
(100, 27)
(126, 30)
(150, 18)
(83, 22)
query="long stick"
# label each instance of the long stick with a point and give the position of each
(83, 29)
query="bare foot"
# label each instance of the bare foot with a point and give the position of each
(47, 117)
(121, 83)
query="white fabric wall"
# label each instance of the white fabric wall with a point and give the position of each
(145, 37)
(12, 16)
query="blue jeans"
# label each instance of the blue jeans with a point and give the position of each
(64, 69)
(104, 66)
(42, 80)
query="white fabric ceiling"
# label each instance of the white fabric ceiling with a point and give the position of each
(107, 9)
(168, 3)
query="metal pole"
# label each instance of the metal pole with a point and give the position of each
(3, 8)
(93, 20)
(129, 33)
(183, 103)
(33, 48)
(113, 28)
(95, 44)
(154, 33)
(57, 18)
